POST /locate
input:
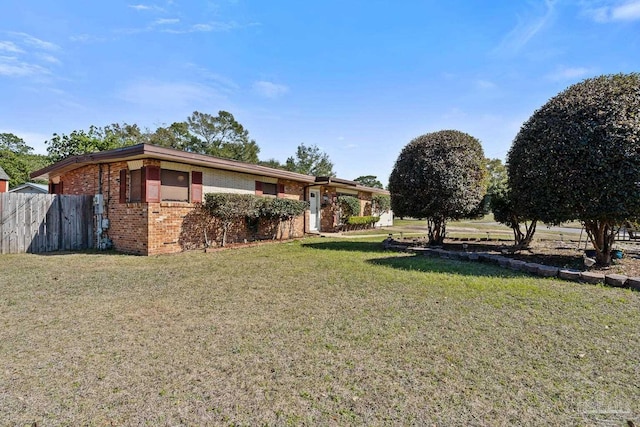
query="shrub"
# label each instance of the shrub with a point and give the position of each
(578, 158)
(438, 176)
(231, 208)
(228, 208)
(363, 220)
(349, 206)
(380, 203)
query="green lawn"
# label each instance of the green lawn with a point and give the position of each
(315, 332)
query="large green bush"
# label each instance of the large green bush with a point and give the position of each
(349, 206)
(439, 176)
(578, 158)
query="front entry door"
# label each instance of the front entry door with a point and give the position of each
(314, 210)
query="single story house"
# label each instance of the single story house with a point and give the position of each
(31, 188)
(146, 196)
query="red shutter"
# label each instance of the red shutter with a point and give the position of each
(123, 186)
(151, 184)
(280, 190)
(258, 188)
(196, 187)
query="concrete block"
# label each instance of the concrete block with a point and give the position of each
(422, 251)
(491, 258)
(463, 256)
(569, 275)
(547, 271)
(504, 262)
(517, 265)
(486, 257)
(592, 278)
(634, 283)
(454, 255)
(442, 253)
(616, 280)
(531, 267)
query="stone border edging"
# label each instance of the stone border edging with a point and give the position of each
(614, 280)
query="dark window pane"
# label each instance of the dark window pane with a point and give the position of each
(175, 185)
(269, 189)
(135, 191)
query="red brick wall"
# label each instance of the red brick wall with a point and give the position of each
(329, 211)
(165, 227)
(365, 203)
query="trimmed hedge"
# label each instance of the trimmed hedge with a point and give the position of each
(363, 220)
(231, 208)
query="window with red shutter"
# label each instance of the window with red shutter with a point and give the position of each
(151, 184)
(196, 187)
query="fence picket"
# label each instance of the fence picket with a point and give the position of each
(37, 223)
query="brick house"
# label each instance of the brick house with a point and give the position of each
(147, 195)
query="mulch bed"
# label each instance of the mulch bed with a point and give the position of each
(562, 254)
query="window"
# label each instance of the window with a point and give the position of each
(269, 189)
(174, 185)
(135, 186)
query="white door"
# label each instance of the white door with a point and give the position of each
(314, 210)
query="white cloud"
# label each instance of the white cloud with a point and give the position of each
(86, 38)
(216, 26)
(166, 21)
(625, 11)
(10, 47)
(140, 7)
(527, 28)
(222, 83)
(13, 67)
(485, 84)
(269, 89)
(26, 56)
(35, 42)
(569, 73)
(49, 58)
(166, 95)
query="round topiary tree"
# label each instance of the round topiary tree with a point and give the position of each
(439, 176)
(578, 158)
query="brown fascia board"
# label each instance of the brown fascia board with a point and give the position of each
(344, 183)
(148, 151)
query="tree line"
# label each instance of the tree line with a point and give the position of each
(220, 135)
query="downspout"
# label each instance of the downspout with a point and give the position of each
(98, 208)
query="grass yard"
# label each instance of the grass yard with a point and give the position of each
(321, 331)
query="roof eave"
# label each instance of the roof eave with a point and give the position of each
(168, 154)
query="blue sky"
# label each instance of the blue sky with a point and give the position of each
(358, 78)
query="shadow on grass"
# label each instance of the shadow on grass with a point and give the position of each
(84, 252)
(347, 245)
(445, 266)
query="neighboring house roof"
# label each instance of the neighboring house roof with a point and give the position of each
(146, 151)
(3, 175)
(31, 187)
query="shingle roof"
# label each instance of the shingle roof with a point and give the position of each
(39, 187)
(3, 175)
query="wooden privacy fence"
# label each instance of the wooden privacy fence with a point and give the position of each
(37, 223)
